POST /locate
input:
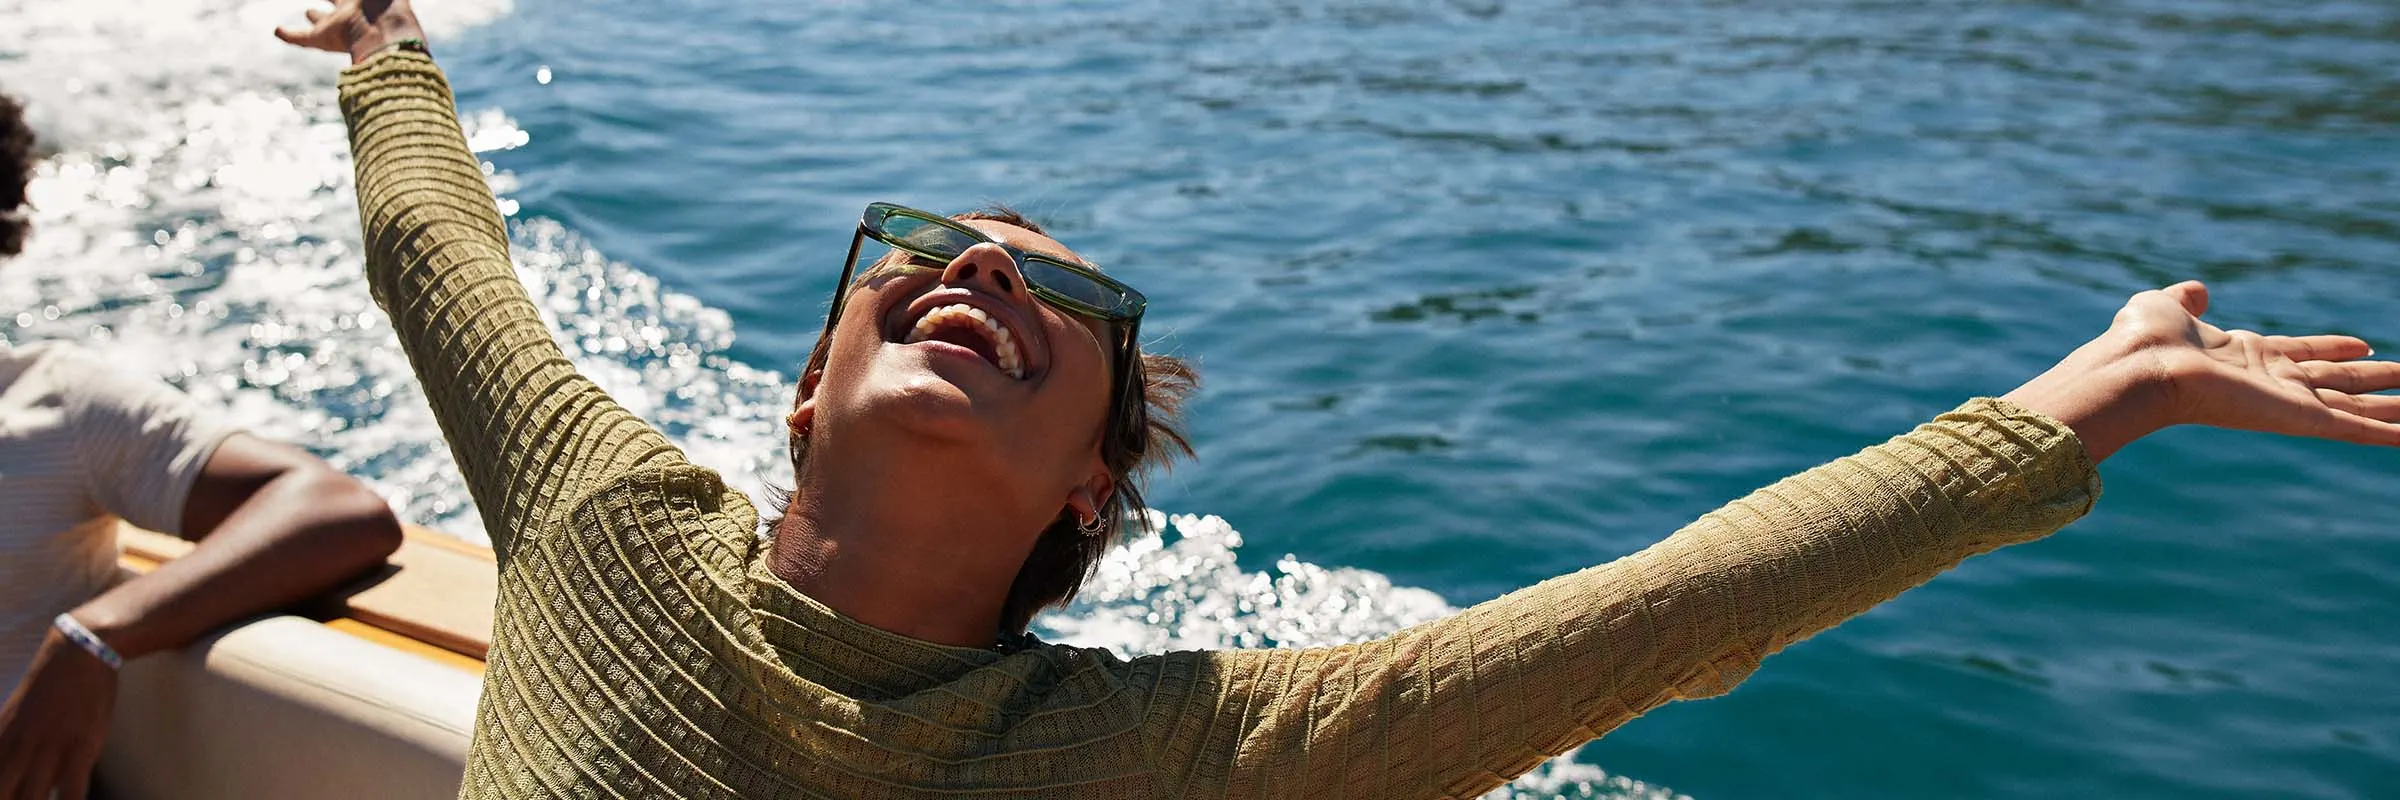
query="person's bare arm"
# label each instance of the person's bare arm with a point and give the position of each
(274, 525)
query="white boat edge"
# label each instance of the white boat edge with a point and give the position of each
(286, 706)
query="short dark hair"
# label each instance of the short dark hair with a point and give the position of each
(1146, 431)
(16, 170)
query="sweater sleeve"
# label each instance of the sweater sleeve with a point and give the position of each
(529, 432)
(1459, 706)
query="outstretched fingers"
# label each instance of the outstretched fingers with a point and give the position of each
(2352, 377)
(310, 37)
(2320, 348)
(2381, 407)
(2347, 389)
(2355, 427)
(316, 34)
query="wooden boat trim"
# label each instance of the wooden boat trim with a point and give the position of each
(432, 598)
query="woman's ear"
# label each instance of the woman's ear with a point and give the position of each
(1087, 498)
(804, 413)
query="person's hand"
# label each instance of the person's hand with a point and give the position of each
(357, 27)
(2159, 365)
(53, 725)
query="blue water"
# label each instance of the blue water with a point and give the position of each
(1482, 292)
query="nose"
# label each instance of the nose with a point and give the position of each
(987, 267)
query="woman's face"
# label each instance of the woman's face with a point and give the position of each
(960, 357)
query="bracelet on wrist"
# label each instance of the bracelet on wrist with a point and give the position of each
(411, 44)
(90, 642)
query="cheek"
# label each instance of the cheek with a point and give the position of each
(861, 326)
(1083, 377)
(856, 338)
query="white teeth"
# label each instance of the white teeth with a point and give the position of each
(1003, 344)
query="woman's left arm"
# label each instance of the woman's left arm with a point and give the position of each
(1455, 707)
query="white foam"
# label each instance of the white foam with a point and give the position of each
(197, 223)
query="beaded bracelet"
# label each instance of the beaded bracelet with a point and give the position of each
(90, 642)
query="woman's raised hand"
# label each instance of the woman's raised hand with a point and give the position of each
(357, 27)
(2159, 365)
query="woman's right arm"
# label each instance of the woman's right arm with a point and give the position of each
(1458, 706)
(527, 430)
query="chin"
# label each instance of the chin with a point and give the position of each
(923, 402)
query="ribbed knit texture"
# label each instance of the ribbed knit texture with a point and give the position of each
(643, 649)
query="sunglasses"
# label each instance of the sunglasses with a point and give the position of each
(1073, 288)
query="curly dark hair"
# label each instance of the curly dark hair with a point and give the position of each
(1145, 432)
(16, 170)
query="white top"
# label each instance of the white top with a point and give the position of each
(82, 445)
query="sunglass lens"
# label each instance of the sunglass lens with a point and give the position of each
(926, 235)
(1096, 296)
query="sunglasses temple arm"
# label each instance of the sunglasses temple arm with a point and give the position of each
(841, 288)
(1129, 366)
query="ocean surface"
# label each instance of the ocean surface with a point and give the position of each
(1484, 291)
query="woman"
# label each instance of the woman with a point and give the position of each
(966, 432)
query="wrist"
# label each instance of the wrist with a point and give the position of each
(2108, 394)
(116, 623)
(389, 32)
(73, 643)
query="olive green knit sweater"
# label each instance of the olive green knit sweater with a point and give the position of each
(642, 648)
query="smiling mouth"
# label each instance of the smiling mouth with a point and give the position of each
(969, 327)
